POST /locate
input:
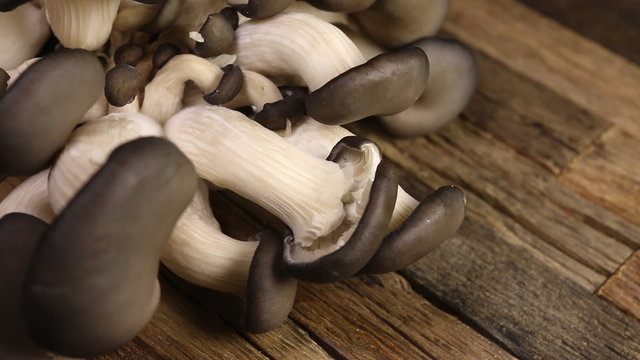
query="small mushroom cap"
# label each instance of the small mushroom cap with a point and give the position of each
(260, 9)
(232, 16)
(274, 116)
(404, 21)
(129, 54)
(369, 232)
(341, 5)
(122, 84)
(451, 84)
(163, 54)
(8, 5)
(218, 35)
(270, 290)
(39, 111)
(19, 236)
(103, 250)
(384, 85)
(228, 87)
(435, 220)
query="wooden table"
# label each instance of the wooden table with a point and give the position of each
(544, 265)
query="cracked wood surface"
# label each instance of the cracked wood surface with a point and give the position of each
(546, 264)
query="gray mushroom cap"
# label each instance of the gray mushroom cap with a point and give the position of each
(163, 54)
(369, 232)
(102, 252)
(129, 54)
(260, 9)
(20, 234)
(291, 108)
(218, 34)
(8, 5)
(436, 219)
(39, 111)
(122, 84)
(166, 16)
(384, 85)
(271, 291)
(341, 5)
(228, 87)
(451, 84)
(395, 23)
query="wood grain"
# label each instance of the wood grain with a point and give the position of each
(522, 303)
(623, 288)
(575, 67)
(613, 23)
(609, 173)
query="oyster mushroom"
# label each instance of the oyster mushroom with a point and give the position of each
(343, 87)
(216, 34)
(165, 17)
(103, 251)
(404, 21)
(122, 84)
(450, 86)
(23, 32)
(80, 23)
(39, 111)
(19, 237)
(163, 95)
(416, 228)
(30, 197)
(326, 204)
(199, 252)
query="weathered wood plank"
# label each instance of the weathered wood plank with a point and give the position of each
(612, 23)
(609, 174)
(623, 288)
(486, 170)
(523, 304)
(135, 349)
(529, 117)
(537, 47)
(181, 330)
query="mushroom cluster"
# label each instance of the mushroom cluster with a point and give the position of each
(123, 115)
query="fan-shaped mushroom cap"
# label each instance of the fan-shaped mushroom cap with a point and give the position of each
(92, 284)
(39, 111)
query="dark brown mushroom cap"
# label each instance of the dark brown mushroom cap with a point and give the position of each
(92, 284)
(163, 54)
(166, 16)
(19, 236)
(4, 80)
(260, 9)
(435, 220)
(451, 84)
(122, 84)
(341, 5)
(404, 21)
(274, 116)
(218, 35)
(369, 232)
(270, 290)
(8, 5)
(232, 16)
(228, 87)
(384, 85)
(39, 111)
(129, 54)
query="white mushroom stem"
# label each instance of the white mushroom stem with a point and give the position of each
(295, 45)
(199, 252)
(30, 197)
(88, 149)
(257, 91)
(163, 95)
(132, 107)
(23, 32)
(81, 23)
(318, 139)
(312, 196)
(98, 110)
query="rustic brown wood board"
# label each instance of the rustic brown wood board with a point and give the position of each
(545, 265)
